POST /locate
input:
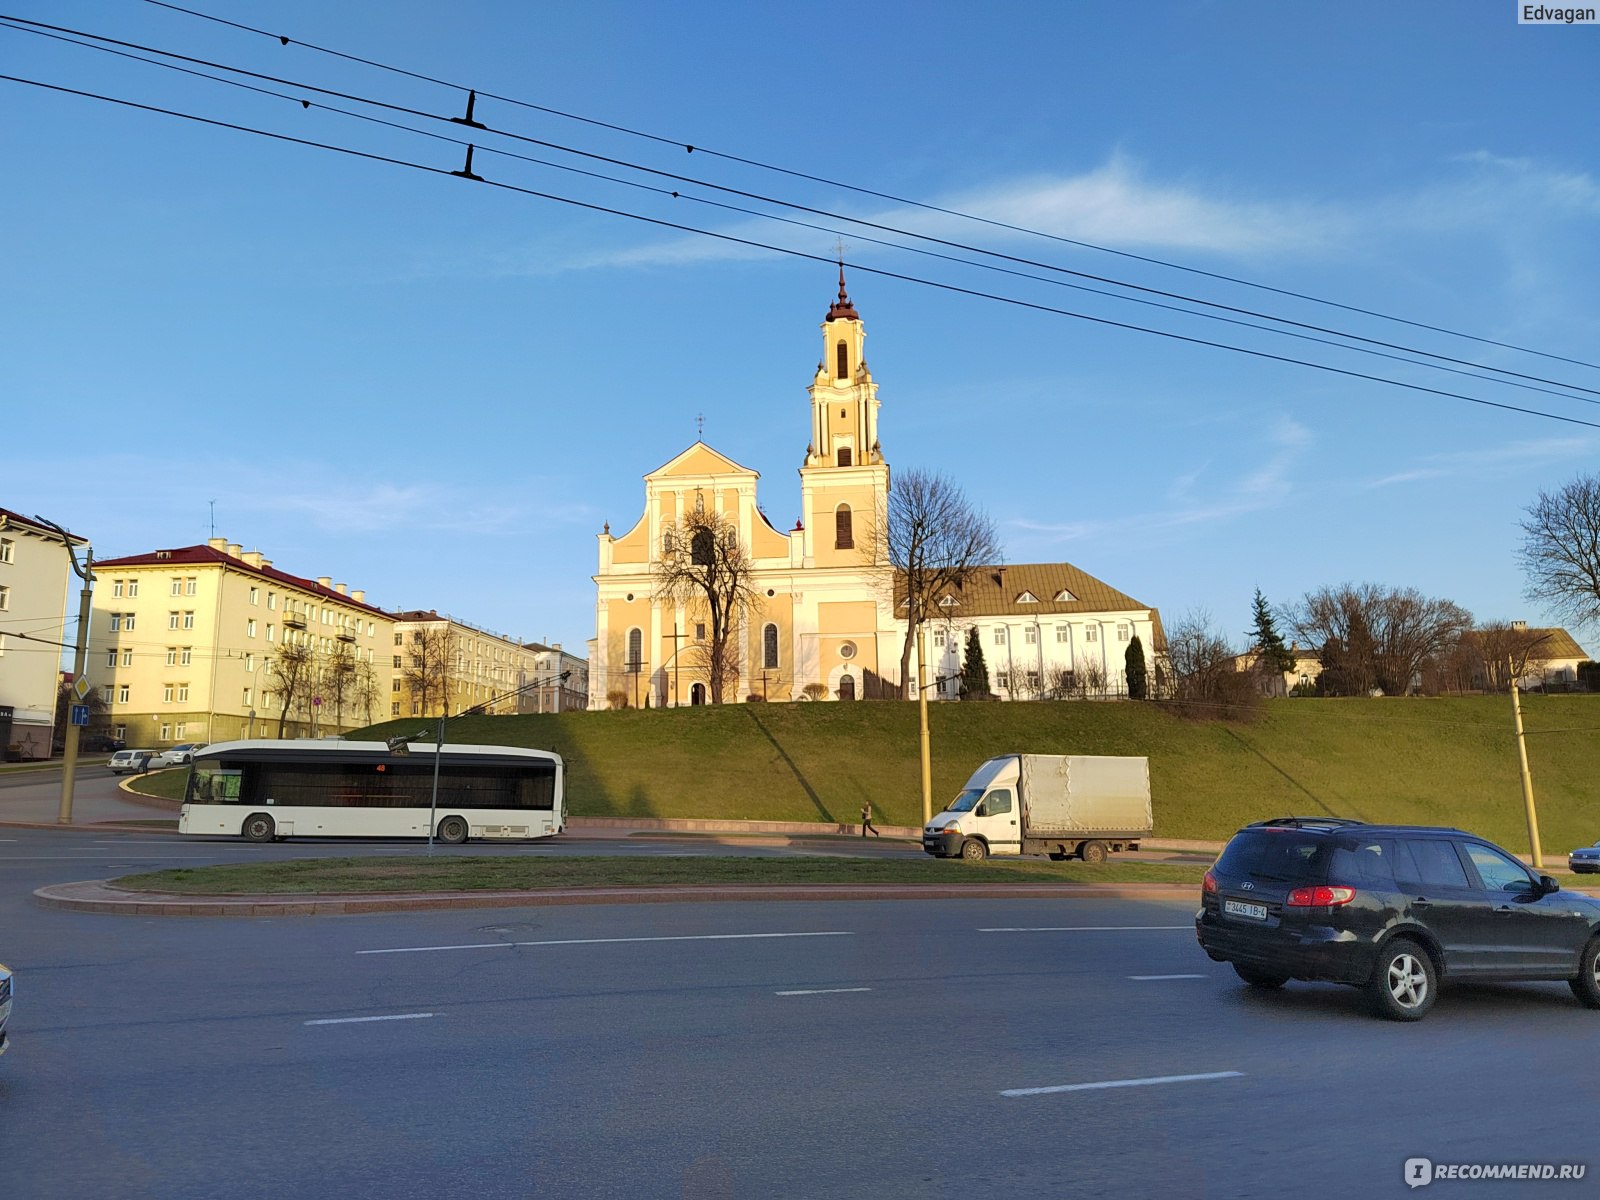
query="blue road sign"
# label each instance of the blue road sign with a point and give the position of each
(80, 714)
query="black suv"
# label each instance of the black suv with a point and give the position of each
(1391, 909)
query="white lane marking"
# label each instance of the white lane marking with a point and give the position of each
(1121, 1083)
(820, 991)
(102, 858)
(360, 1020)
(1166, 976)
(692, 937)
(1084, 928)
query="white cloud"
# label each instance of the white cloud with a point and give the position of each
(1498, 460)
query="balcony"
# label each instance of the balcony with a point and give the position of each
(294, 620)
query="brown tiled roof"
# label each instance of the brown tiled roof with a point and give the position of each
(993, 592)
(206, 556)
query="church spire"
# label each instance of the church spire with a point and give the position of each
(842, 309)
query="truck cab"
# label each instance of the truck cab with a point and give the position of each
(985, 817)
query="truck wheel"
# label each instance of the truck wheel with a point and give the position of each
(452, 831)
(258, 827)
(973, 850)
(1094, 852)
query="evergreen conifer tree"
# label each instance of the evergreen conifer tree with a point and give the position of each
(1271, 654)
(974, 671)
(1138, 673)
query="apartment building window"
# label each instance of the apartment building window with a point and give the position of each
(5, 596)
(180, 730)
(127, 656)
(172, 620)
(249, 662)
(105, 693)
(1063, 633)
(189, 588)
(255, 595)
(7, 550)
(172, 656)
(250, 628)
(272, 599)
(247, 697)
(272, 635)
(116, 587)
(1003, 680)
(133, 588)
(395, 686)
(1122, 632)
(416, 708)
(166, 695)
(399, 638)
(1030, 635)
(1091, 633)
(188, 620)
(186, 656)
(120, 732)
(183, 693)
(166, 732)
(111, 657)
(177, 587)
(938, 639)
(1000, 637)
(397, 661)
(394, 709)
(123, 693)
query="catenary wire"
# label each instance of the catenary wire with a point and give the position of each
(735, 208)
(865, 191)
(24, 25)
(753, 244)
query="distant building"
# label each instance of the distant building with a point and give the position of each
(35, 587)
(444, 666)
(1554, 659)
(208, 643)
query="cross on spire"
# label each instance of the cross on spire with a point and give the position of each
(700, 427)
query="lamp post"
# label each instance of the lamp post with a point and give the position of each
(80, 658)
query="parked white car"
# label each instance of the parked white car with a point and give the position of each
(177, 756)
(124, 761)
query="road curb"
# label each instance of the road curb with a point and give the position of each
(99, 896)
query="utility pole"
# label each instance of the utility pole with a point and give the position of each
(922, 722)
(80, 658)
(1527, 779)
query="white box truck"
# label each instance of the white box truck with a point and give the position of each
(1058, 805)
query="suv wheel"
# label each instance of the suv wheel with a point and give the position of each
(1258, 978)
(1586, 987)
(1404, 983)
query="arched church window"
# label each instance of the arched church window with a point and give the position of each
(847, 687)
(844, 456)
(703, 547)
(769, 647)
(635, 650)
(843, 535)
(841, 361)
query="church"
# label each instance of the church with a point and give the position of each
(818, 620)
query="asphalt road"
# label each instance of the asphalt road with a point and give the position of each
(720, 1050)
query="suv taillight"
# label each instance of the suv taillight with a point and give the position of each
(1320, 897)
(1209, 884)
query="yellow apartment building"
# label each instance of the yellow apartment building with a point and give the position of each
(442, 666)
(208, 643)
(35, 592)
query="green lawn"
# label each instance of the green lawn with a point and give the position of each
(1444, 761)
(339, 875)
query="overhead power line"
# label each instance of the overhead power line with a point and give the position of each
(33, 26)
(767, 216)
(753, 244)
(691, 147)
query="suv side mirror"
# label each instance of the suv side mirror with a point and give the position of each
(1548, 885)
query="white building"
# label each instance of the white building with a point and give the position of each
(35, 583)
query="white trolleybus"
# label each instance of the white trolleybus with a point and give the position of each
(266, 790)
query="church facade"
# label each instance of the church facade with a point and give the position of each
(822, 623)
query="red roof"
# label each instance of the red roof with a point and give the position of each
(205, 555)
(7, 517)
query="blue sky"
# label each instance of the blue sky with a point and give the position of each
(438, 391)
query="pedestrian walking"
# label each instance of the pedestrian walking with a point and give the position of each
(866, 820)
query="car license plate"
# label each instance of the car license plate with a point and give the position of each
(1238, 908)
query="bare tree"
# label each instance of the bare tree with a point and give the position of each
(706, 569)
(336, 682)
(1374, 637)
(289, 678)
(1205, 682)
(1561, 550)
(428, 662)
(934, 539)
(1500, 652)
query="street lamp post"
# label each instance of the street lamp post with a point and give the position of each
(80, 659)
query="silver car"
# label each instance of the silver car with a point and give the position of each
(5, 1006)
(177, 756)
(1585, 860)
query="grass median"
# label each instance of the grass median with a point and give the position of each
(344, 876)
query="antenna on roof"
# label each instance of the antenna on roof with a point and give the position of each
(213, 532)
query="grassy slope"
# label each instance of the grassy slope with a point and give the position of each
(1450, 761)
